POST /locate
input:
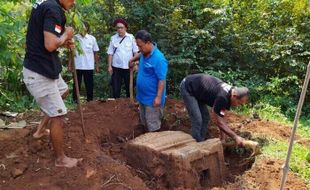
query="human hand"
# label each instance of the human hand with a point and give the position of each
(157, 101)
(69, 32)
(239, 140)
(110, 70)
(131, 63)
(135, 68)
(69, 44)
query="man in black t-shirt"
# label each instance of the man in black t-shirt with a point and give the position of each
(41, 72)
(199, 90)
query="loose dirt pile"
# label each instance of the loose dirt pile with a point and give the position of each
(26, 163)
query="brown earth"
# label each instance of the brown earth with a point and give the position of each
(26, 163)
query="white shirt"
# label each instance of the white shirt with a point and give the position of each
(89, 45)
(124, 51)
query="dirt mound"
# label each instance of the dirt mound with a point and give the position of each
(266, 174)
(28, 163)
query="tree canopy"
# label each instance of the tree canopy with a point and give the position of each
(262, 44)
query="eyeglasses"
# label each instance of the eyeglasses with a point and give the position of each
(119, 27)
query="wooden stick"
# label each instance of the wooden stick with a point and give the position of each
(77, 91)
(131, 85)
(297, 115)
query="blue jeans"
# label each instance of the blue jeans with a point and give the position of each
(198, 113)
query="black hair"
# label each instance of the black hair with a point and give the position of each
(144, 35)
(86, 24)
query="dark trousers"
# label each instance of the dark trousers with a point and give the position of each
(198, 113)
(118, 77)
(88, 77)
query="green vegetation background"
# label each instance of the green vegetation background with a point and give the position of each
(261, 44)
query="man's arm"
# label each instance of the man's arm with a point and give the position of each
(110, 64)
(96, 55)
(136, 57)
(222, 125)
(160, 89)
(52, 42)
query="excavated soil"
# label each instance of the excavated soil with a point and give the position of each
(26, 163)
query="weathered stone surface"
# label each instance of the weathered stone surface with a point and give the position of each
(178, 160)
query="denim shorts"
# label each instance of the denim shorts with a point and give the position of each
(47, 92)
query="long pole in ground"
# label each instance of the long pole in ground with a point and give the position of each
(131, 85)
(297, 115)
(77, 91)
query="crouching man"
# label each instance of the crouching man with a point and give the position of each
(200, 90)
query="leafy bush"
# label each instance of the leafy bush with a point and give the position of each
(263, 45)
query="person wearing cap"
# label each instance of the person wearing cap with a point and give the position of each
(87, 62)
(121, 49)
(199, 90)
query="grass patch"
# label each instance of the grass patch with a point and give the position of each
(304, 129)
(300, 158)
(298, 162)
(269, 112)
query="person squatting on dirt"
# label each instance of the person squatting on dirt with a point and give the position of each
(85, 62)
(199, 90)
(151, 81)
(121, 49)
(41, 71)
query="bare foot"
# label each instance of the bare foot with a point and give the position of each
(39, 134)
(67, 162)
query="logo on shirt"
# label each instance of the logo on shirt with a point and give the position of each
(226, 87)
(58, 29)
(37, 3)
(222, 112)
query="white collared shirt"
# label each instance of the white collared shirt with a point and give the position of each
(124, 51)
(89, 45)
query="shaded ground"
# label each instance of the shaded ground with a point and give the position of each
(109, 125)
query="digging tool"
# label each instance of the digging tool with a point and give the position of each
(297, 115)
(254, 146)
(131, 86)
(77, 91)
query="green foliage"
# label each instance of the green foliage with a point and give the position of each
(263, 45)
(12, 39)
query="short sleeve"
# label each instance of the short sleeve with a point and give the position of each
(53, 21)
(95, 46)
(220, 105)
(135, 48)
(110, 48)
(161, 68)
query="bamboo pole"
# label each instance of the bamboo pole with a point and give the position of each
(77, 91)
(297, 115)
(131, 86)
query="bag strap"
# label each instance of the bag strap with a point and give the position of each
(119, 43)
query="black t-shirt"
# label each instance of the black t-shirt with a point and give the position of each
(46, 15)
(209, 90)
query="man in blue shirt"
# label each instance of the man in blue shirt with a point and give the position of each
(151, 81)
